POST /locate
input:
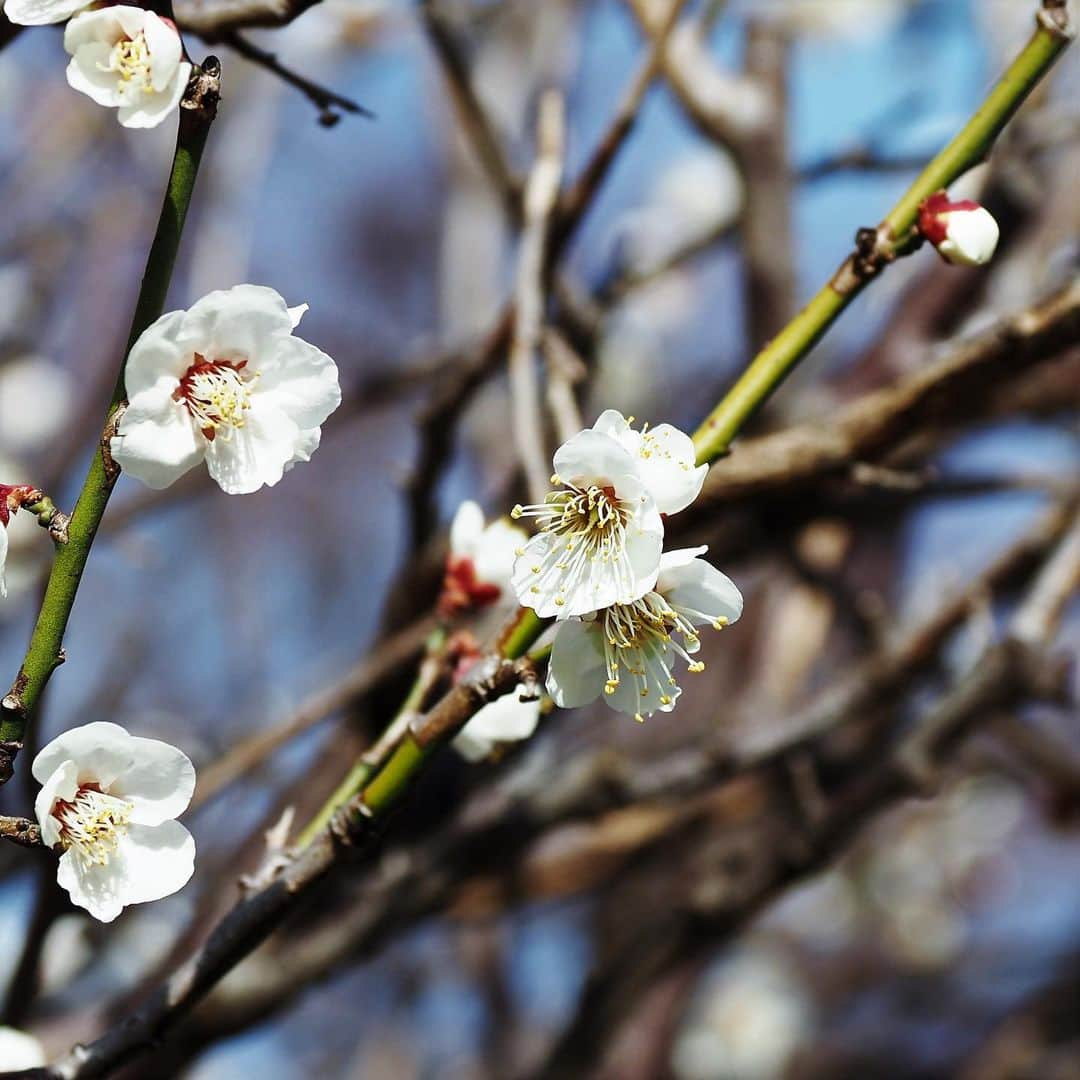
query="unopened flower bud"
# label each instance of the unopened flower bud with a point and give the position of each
(963, 232)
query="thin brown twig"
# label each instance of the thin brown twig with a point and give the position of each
(474, 118)
(21, 831)
(541, 197)
(329, 103)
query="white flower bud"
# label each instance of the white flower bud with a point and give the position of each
(963, 232)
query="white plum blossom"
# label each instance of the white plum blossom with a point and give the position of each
(41, 12)
(228, 382)
(963, 232)
(626, 652)
(664, 456)
(481, 560)
(601, 532)
(129, 59)
(108, 802)
(19, 1051)
(507, 719)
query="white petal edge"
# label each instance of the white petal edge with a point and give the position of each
(698, 589)
(576, 671)
(157, 442)
(255, 455)
(102, 751)
(18, 1050)
(158, 782)
(150, 862)
(466, 529)
(41, 12)
(62, 783)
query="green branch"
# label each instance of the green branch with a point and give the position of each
(895, 235)
(45, 652)
(372, 796)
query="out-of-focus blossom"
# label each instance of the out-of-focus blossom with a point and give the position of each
(850, 19)
(41, 12)
(108, 802)
(36, 399)
(481, 560)
(507, 719)
(699, 194)
(228, 382)
(128, 59)
(750, 1019)
(66, 952)
(19, 1051)
(963, 232)
(16, 287)
(626, 652)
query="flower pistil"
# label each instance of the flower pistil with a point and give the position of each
(217, 394)
(92, 824)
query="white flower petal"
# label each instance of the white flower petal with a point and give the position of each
(20, 1051)
(164, 348)
(628, 697)
(307, 442)
(237, 322)
(540, 581)
(576, 671)
(591, 457)
(507, 719)
(297, 313)
(101, 750)
(472, 747)
(466, 529)
(665, 460)
(41, 12)
(152, 109)
(97, 27)
(301, 380)
(495, 552)
(971, 236)
(158, 781)
(255, 455)
(612, 422)
(699, 591)
(62, 783)
(166, 51)
(157, 441)
(150, 862)
(85, 75)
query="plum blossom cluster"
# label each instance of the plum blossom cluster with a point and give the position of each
(479, 567)
(123, 57)
(108, 804)
(625, 611)
(225, 382)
